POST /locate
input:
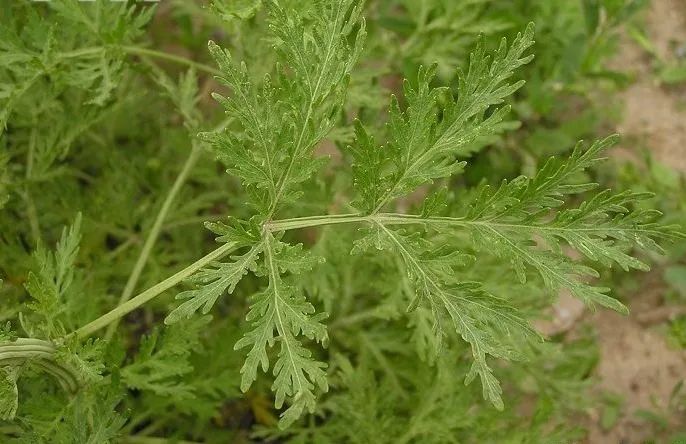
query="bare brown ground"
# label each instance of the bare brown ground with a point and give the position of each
(637, 364)
(635, 360)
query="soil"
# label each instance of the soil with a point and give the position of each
(636, 361)
(654, 114)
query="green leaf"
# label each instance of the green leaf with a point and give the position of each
(7, 334)
(91, 418)
(315, 59)
(489, 324)
(183, 94)
(212, 282)
(50, 281)
(283, 309)
(522, 221)
(236, 9)
(86, 359)
(427, 137)
(164, 358)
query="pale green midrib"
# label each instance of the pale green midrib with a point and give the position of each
(281, 327)
(461, 118)
(409, 219)
(281, 183)
(313, 221)
(448, 305)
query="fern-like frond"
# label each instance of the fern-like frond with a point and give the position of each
(427, 137)
(212, 282)
(282, 313)
(294, 108)
(487, 323)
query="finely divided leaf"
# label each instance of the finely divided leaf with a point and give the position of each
(489, 324)
(282, 119)
(427, 137)
(50, 280)
(164, 358)
(521, 221)
(212, 282)
(280, 314)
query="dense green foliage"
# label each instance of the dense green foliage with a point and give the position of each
(356, 272)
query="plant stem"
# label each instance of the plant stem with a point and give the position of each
(151, 292)
(31, 212)
(136, 439)
(82, 52)
(152, 427)
(40, 353)
(170, 57)
(154, 234)
(381, 219)
(313, 221)
(385, 218)
(137, 50)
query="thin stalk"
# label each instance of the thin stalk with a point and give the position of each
(381, 219)
(121, 248)
(40, 353)
(385, 218)
(137, 50)
(313, 221)
(26, 348)
(194, 220)
(31, 211)
(136, 439)
(153, 427)
(154, 234)
(65, 376)
(273, 226)
(82, 52)
(151, 292)
(170, 57)
(135, 421)
(32, 216)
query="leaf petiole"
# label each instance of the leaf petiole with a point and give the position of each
(151, 292)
